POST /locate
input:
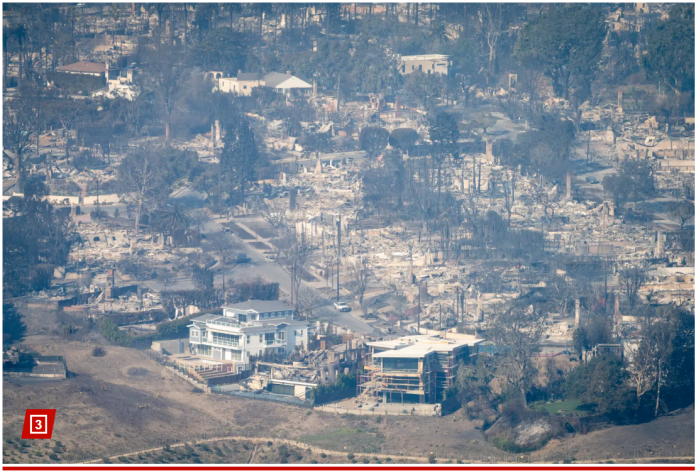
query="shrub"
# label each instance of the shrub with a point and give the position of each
(322, 455)
(431, 458)
(53, 456)
(351, 456)
(98, 352)
(269, 443)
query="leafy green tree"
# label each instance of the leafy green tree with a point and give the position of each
(444, 134)
(373, 139)
(424, 89)
(547, 148)
(13, 327)
(670, 50)
(604, 385)
(403, 138)
(634, 181)
(140, 175)
(683, 211)
(165, 74)
(240, 156)
(202, 278)
(517, 332)
(19, 124)
(566, 42)
(595, 328)
(223, 49)
(35, 239)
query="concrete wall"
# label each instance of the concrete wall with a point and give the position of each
(434, 67)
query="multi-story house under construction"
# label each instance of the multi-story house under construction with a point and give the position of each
(414, 369)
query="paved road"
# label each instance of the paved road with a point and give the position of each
(258, 267)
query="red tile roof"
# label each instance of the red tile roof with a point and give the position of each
(88, 67)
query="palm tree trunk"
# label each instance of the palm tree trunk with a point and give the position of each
(659, 382)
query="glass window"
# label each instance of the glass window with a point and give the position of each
(204, 350)
(269, 338)
(261, 338)
(225, 339)
(281, 335)
(248, 339)
(242, 318)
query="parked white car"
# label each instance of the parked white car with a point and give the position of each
(341, 306)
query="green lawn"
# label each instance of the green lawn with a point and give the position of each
(357, 439)
(563, 408)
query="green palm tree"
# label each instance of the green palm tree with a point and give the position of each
(438, 34)
(173, 219)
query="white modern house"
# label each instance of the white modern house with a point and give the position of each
(247, 329)
(246, 82)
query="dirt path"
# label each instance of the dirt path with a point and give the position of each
(251, 454)
(414, 459)
(260, 441)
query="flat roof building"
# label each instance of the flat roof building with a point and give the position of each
(414, 369)
(426, 63)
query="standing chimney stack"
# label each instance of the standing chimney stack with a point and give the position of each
(577, 313)
(658, 248)
(568, 186)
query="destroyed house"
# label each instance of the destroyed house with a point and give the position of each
(250, 329)
(414, 369)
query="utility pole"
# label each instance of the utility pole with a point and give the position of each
(338, 96)
(419, 309)
(338, 257)
(440, 329)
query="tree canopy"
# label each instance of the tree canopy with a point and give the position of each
(670, 51)
(566, 42)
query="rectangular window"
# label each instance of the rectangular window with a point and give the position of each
(248, 339)
(280, 335)
(269, 338)
(245, 87)
(194, 333)
(261, 338)
(204, 350)
(204, 334)
(235, 355)
(225, 339)
(253, 317)
(242, 318)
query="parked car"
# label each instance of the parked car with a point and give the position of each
(341, 306)
(592, 180)
(242, 258)
(228, 230)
